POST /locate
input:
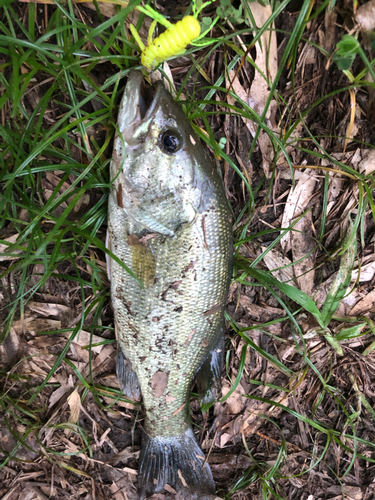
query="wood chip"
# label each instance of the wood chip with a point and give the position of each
(170, 489)
(178, 410)
(184, 483)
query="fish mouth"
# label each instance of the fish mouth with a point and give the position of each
(140, 100)
(148, 98)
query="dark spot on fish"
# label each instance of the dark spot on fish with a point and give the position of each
(204, 232)
(135, 330)
(213, 310)
(133, 240)
(117, 158)
(178, 366)
(173, 344)
(178, 309)
(127, 305)
(119, 196)
(155, 319)
(189, 266)
(172, 286)
(148, 236)
(187, 341)
(142, 358)
(159, 383)
(176, 284)
(204, 343)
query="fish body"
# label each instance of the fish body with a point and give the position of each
(168, 222)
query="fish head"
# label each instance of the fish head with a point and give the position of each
(164, 171)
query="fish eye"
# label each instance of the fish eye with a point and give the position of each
(170, 141)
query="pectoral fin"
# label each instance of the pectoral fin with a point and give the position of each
(153, 225)
(208, 377)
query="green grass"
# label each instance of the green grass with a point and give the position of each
(69, 65)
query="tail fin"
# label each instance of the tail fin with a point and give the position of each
(176, 461)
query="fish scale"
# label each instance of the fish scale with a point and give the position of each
(168, 222)
(196, 295)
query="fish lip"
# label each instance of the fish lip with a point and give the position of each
(140, 101)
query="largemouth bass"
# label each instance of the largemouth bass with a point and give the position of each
(168, 221)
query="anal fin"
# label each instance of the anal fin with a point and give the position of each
(128, 380)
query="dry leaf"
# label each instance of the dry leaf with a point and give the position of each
(83, 339)
(66, 385)
(106, 354)
(236, 401)
(248, 422)
(106, 9)
(346, 304)
(275, 260)
(9, 350)
(365, 16)
(336, 184)
(167, 82)
(366, 305)
(4, 249)
(36, 325)
(344, 491)
(302, 244)
(366, 273)
(297, 203)
(367, 164)
(57, 311)
(266, 60)
(258, 313)
(74, 402)
(124, 455)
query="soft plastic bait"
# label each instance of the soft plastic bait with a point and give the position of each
(172, 42)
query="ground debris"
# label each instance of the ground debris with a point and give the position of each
(298, 167)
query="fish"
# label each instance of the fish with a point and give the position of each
(169, 227)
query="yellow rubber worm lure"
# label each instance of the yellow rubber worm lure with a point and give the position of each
(170, 43)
